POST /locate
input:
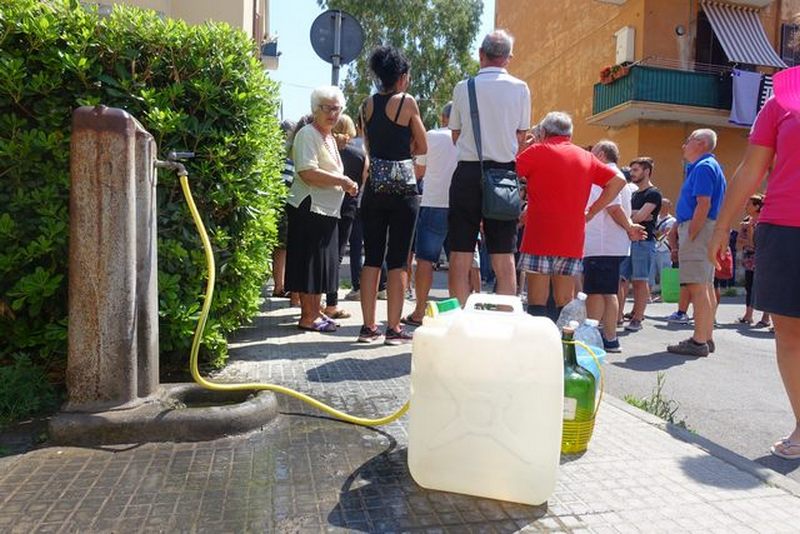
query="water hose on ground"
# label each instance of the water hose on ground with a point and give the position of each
(250, 386)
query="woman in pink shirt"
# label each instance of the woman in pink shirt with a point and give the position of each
(774, 143)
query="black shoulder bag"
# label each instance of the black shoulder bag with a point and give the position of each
(499, 187)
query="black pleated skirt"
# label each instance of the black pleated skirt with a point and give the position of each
(312, 250)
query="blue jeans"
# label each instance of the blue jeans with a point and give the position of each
(431, 233)
(637, 265)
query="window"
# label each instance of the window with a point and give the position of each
(708, 49)
(789, 54)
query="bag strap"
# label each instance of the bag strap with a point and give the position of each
(397, 115)
(476, 120)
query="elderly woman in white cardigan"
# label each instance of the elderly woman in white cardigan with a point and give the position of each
(312, 251)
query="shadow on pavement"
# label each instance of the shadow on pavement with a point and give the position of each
(299, 350)
(780, 465)
(657, 361)
(360, 369)
(381, 496)
(706, 470)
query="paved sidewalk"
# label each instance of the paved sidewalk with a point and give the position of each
(307, 473)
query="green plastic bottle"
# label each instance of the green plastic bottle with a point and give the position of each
(579, 398)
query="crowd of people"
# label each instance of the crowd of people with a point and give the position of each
(585, 223)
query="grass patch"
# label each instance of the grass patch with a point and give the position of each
(730, 292)
(659, 405)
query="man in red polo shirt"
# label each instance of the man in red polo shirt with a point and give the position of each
(559, 176)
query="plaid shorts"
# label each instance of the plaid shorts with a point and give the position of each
(550, 265)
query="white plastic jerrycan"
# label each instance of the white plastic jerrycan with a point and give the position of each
(487, 402)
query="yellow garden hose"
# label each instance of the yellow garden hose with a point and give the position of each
(252, 386)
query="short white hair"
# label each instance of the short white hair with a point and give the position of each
(557, 123)
(497, 44)
(326, 92)
(707, 136)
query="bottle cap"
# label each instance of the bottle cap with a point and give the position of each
(435, 308)
(573, 325)
(592, 322)
(581, 295)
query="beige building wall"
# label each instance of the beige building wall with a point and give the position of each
(561, 46)
(237, 13)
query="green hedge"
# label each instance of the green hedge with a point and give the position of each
(197, 88)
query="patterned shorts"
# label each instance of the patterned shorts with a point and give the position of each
(550, 265)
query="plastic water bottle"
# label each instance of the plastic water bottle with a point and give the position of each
(589, 333)
(574, 311)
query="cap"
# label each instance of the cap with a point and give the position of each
(786, 85)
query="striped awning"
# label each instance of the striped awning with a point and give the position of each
(742, 35)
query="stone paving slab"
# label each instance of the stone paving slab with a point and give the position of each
(307, 473)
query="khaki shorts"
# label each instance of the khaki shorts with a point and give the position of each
(693, 255)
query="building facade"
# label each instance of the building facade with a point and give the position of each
(673, 63)
(250, 16)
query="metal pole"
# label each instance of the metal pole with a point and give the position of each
(337, 48)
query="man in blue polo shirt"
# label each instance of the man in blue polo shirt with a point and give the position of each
(700, 199)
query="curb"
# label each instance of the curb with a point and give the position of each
(768, 476)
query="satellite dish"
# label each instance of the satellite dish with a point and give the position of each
(337, 38)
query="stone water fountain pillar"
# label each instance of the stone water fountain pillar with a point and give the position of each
(114, 395)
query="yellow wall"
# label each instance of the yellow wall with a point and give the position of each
(561, 46)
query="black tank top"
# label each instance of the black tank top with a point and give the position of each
(387, 139)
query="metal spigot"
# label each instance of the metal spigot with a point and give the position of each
(173, 162)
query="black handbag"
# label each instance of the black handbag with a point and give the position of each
(500, 199)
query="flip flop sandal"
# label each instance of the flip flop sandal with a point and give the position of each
(329, 320)
(762, 324)
(280, 294)
(321, 327)
(340, 314)
(742, 320)
(786, 449)
(410, 321)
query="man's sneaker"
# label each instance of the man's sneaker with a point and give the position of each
(353, 294)
(679, 317)
(634, 326)
(368, 335)
(689, 347)
(396, 337)
(382, 295)
(611, 346)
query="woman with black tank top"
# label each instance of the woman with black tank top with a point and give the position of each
(394, 135)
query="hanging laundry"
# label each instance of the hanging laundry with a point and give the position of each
(746, 94)
(765, 90)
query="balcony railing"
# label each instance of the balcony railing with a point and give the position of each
(665, 86)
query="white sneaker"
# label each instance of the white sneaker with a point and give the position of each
(410, 294)
(354, 294)
(382, 295)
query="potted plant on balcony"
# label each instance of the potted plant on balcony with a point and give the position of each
(612, 73)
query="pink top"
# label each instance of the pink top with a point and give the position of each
(779, 129)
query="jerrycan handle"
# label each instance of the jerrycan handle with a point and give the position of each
(476, 302)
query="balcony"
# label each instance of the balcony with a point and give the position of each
(663, 94)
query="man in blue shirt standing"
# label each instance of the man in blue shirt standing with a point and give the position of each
(700, 199)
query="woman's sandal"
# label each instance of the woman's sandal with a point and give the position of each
(323, 326)
(410, 321)
(339, 314)
(742, 320)
(786, 449)
(762, 324)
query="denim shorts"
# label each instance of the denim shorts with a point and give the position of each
(431, 233)
(637, 265)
